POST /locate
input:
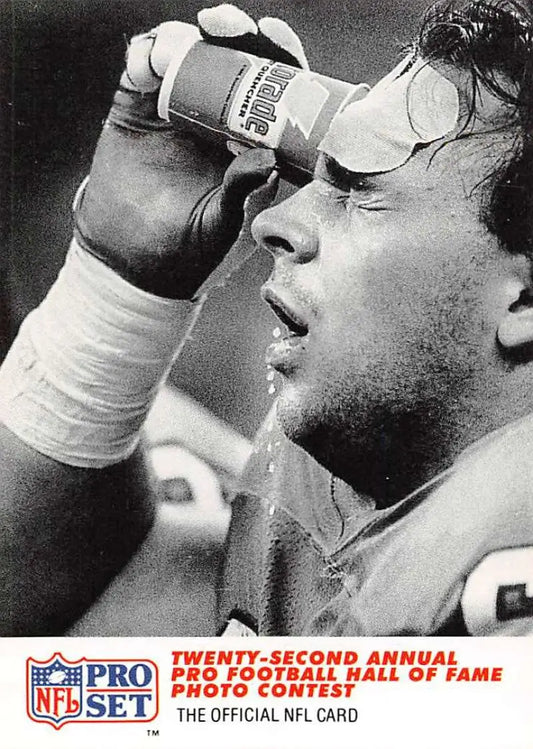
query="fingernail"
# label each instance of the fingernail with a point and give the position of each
(274, 176)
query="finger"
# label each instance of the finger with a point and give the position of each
(254, 169)
(217, 220)
(278, 39)
(228, 26)
(261, 198)
(138, 75)
(249, 186)
(149, 54)
(171, 37)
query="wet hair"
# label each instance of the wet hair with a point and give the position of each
(493, 41)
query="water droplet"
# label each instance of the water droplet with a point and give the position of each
(271, 467)
(272, 389)
(271, 510)
(276, 332)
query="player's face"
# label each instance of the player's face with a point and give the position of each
(391, 287)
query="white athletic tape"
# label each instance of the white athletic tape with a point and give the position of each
(226, 20)
(139, 75)
(149, 54)
(285, 37)
(172, 38)
(87, 363)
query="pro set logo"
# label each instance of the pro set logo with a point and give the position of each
(59, 691)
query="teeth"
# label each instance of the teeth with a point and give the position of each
(294, 328)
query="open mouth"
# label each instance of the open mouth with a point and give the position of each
(289, 317)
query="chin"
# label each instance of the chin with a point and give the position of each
(304, 421)
(293, 412)
(291, 420)
(332, 426)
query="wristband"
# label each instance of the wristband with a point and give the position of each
(86, 365)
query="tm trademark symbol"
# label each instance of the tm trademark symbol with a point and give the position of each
(152, 731)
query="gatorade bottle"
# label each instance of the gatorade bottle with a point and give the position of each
(233, 97)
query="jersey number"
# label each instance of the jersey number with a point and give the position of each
(498, 595)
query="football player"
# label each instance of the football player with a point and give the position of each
(403, 275)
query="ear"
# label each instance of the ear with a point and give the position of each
(516, 326)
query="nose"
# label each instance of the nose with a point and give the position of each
(289, 228)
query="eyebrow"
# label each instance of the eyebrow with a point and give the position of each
(328, 169)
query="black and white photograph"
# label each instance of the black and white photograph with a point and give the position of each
(267, 331)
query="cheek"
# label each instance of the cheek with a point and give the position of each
(404, 305)
(364, 295)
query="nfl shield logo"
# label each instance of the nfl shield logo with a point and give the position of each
(54, 690)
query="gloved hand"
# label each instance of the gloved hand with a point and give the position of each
(161, 207)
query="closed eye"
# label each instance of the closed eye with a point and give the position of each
(356, 199)
(329, 170)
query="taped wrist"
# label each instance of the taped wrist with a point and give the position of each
(86, 365)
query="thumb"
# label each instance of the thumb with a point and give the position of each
(254, 169)
(216, 221)
(249, 186)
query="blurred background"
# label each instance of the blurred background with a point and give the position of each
(61, 60)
